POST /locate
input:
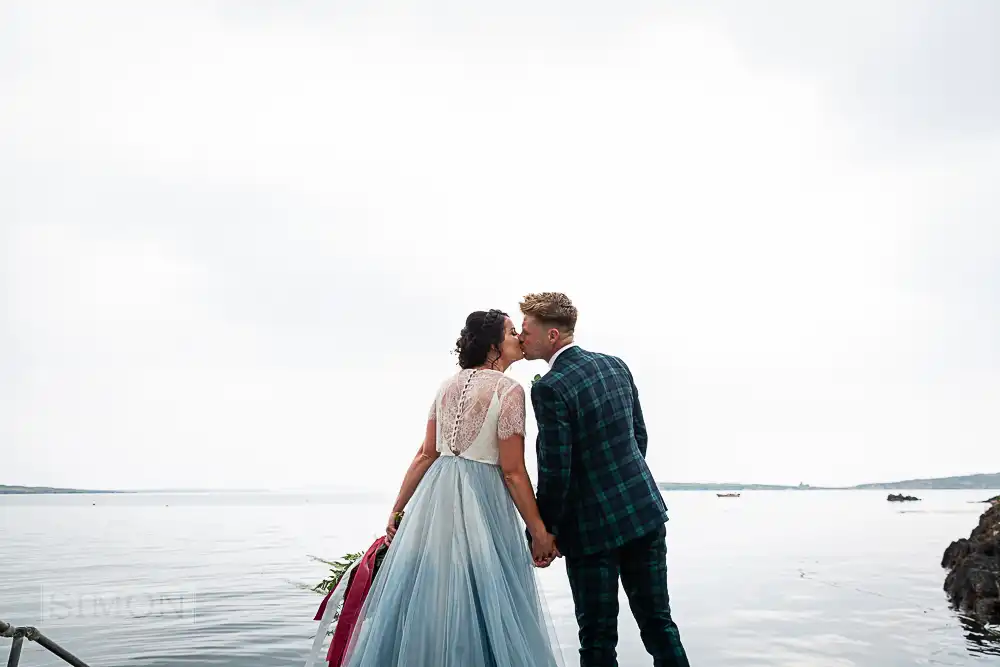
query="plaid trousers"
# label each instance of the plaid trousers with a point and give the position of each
(593, 579)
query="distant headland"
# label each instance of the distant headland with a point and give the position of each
(10, 490)
(5, 489)
(983, 481)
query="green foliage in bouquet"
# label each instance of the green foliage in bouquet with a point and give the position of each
(337, 570)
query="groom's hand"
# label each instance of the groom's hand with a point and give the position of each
(545, 554)
(547, 560)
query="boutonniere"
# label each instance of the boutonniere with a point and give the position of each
(535, 379)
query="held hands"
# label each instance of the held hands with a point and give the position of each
(543, 548)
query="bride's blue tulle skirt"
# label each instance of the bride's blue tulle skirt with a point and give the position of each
(457, 587)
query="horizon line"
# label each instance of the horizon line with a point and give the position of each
(320, 488)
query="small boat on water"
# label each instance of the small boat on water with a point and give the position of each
(728, 495)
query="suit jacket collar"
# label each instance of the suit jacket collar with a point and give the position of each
(560, 353)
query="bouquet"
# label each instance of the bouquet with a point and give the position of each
(351, 577)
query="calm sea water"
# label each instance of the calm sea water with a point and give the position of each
(824, 579)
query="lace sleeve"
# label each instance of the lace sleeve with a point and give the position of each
(432, 415)
(511, 420)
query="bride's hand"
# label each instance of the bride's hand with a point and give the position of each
(390, 529)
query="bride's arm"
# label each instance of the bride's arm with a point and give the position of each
(426, 455)
(510, 431)
(515, 475)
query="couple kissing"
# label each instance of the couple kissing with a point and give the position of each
(458, 584)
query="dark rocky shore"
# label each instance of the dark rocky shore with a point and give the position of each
(973, 581)
(900, 498)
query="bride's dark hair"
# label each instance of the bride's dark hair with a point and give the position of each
(484, 331)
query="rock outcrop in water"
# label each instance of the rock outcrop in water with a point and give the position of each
(900, 498)
(973, 581)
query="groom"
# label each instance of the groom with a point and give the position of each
(595, 493)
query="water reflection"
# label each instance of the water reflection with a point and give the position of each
(980, 639)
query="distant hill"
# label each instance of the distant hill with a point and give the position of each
(5, 489)
(735, 486)
(983, 481)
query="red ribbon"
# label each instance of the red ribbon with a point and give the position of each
(354, 598)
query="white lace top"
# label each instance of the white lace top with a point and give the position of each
(474, 410)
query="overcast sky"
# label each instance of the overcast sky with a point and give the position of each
(238, 239)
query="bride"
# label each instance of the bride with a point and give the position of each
(457, 587)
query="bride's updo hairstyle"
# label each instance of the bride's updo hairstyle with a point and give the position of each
(483, 332)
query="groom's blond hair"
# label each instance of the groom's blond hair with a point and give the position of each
(551, 308)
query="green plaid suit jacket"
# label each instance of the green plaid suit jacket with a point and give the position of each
(595, 491)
